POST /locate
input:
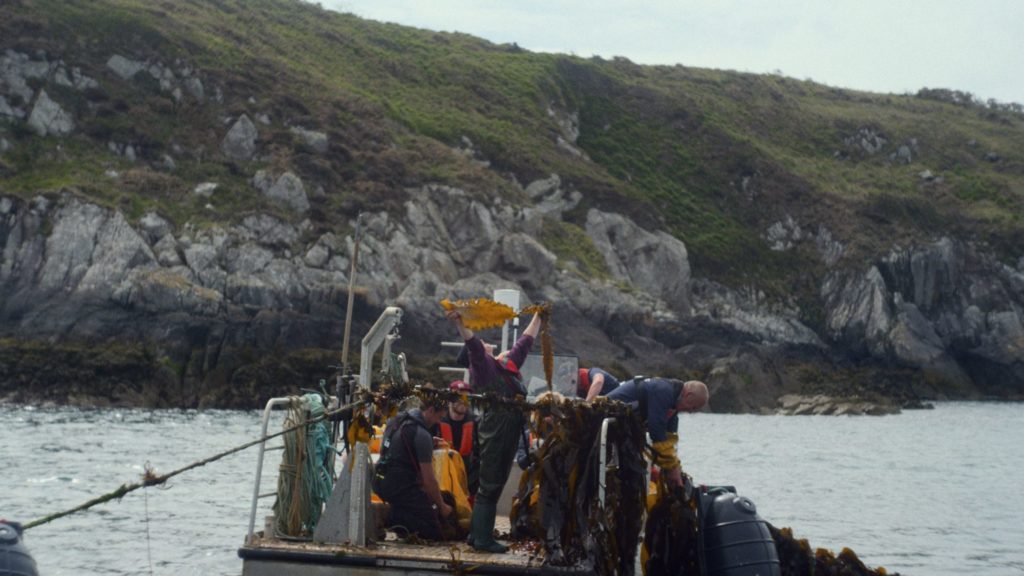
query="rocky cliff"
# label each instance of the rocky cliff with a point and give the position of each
(175, 232)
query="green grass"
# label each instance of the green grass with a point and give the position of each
(669, 146)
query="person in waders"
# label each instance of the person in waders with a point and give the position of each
(659, 401)
(500, 426)
(404, 476)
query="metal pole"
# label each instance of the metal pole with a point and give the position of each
(351, 296)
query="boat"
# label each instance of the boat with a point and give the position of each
(346, 539)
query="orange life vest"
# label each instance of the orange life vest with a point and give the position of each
(466, 447)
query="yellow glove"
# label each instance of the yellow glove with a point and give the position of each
(665, 454)
(359, 430)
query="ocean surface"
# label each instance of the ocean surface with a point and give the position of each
(926, 492)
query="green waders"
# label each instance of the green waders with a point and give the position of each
(499, 433)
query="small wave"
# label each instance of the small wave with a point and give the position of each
(53, 479)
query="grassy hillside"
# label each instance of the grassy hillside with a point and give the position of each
(676, 143)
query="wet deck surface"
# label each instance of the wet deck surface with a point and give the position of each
(523, 555)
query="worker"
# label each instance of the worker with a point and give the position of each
(459, 429)
(594, 382)
(658, 401)
(500, 426)
(404, 476)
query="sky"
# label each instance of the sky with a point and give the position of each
(893, 46)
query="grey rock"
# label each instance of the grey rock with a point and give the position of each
(4, 145)
(48, 118)
(168, 163)
(564, 144)
(124, 67)
(652, 261)
(286, 191)
(195, 88)
(317, 256)
(749, 312)
(784, 234)
(269, 231)
(312, 138)
(550, 199)
(526, 261)
(15, 68)
(81, 81)
(568, 122)
(166, 250)
(205, 189)
(926, 175)
(831, 250)
(6, 110)
(240, 142)
(154, 227)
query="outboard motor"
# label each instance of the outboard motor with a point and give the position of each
(14, 557)
(735, 541)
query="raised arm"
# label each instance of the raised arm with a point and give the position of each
(596, 384)
(456, 317)
(534, 327)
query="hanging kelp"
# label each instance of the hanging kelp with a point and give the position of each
(671, 543)
(797, 558)
(560, 501)
(683, 536)
(306, 474)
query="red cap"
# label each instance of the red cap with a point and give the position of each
(460, 386)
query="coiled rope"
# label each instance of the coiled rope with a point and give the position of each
(306, 474)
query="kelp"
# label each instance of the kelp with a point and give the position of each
(484, 313)
(480, 313)
(576, 530)
(672, 543)
(797, 559)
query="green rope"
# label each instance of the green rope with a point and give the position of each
(306, 473)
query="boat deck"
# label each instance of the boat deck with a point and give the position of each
(265, 556)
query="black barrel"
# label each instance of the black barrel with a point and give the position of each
(14, 557)
(736, 541)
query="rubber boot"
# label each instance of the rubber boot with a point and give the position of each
(483, 528)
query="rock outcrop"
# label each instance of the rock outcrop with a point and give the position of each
(74, 270)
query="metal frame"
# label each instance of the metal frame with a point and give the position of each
(602, 475)
(271, 404)
(377, 335)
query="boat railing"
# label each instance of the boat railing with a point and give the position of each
(256, 496)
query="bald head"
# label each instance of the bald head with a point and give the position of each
(693, 398)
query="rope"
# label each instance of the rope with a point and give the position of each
(306, 476)
(151, 479)
(388, 395)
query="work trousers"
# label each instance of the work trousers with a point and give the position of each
(411, 510)
(500, 429)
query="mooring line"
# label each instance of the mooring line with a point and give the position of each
(151, 479)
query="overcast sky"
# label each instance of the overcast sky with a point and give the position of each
(876, 45)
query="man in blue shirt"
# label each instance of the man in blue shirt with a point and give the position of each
(658, 401)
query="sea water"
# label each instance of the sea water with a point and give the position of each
(927, 492)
